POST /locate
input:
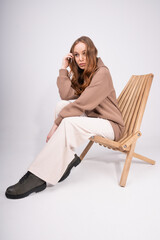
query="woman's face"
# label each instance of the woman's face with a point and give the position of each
(80, 51)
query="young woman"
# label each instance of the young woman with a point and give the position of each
(92, 111)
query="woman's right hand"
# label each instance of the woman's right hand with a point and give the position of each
(53, 129)
(65, 61)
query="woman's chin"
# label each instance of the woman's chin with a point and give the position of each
(82, 67)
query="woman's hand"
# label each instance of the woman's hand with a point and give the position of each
(53, 129)
(65, 61)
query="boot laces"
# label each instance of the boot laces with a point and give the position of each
(24, 177)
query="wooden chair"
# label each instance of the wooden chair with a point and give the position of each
(132, 102)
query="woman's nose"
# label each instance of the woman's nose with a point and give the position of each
(81, 57)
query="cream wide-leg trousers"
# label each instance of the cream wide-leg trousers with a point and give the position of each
(58, 152)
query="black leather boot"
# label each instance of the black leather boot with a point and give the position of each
(72, 164)
(28, 184)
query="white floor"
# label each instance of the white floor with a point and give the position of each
(89, 204)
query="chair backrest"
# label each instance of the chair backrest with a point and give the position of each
(132, 102)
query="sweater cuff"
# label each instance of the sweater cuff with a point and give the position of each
(58, 120)
(63, 72)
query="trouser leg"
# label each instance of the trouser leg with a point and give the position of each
(52, 161)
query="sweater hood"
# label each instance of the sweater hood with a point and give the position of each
(100, 63)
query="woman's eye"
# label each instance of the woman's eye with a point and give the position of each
(76, 55)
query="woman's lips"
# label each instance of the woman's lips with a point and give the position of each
(81, 64)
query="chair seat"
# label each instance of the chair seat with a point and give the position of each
(122, 145)
(105, 142)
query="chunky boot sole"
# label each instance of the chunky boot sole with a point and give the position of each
(36, 189)
(72, 164)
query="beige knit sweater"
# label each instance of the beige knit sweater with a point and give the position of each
(97, 100)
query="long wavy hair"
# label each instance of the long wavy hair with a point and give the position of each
(81, 78)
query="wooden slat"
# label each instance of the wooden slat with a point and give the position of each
(123, 93)
(129, 108)
(105, 141)
(143, 103)
(126, 94)
(135, 106)
(128, 101)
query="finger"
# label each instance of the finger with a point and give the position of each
(70, 55)
(67, 57)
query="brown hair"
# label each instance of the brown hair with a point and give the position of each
(81, 78)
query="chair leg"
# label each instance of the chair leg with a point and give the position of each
(127, 166)
(89, 145)
(144, 158)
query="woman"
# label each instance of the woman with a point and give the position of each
(93, 111)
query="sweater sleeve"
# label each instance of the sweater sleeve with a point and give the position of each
(99, 88)
(66, 92)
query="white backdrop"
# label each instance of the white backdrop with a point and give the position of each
(36, 34)
(34, 37)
